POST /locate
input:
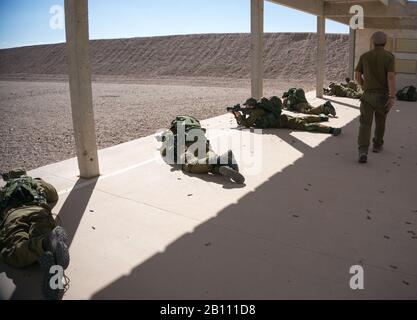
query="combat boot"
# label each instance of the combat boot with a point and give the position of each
(329, 108)
(57, 243)
(363, 157)
(51, 290)
(336, 131)
(232, 174)
(377, 149)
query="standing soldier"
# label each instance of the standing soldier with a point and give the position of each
(375, 72)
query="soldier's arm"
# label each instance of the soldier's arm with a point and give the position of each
(249, 122)
(359, 78)
(359, 72)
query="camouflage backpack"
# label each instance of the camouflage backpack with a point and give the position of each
(293, 97)
(19, 192)
(187, 122)
(172, 141)
(407, 94)
(273, 106)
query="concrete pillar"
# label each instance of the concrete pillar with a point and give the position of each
(76, 21)
(321, 55)
(257, 31)
(352, 47)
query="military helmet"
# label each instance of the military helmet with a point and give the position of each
(251, 102)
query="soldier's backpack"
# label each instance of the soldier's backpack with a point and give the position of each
(19, 192)
(407, 94)
(293, 97)
(273, 106)
(186, 123)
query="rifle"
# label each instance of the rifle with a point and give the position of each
(238, 108)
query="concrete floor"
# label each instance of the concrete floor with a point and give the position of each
(307, 213)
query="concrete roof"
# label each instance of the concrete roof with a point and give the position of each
(144, 231)
(382, 14)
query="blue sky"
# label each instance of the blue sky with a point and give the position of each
(27, 22)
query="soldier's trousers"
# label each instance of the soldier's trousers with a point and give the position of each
(307, 108)
(200, 166)
(372, 105)
(310, 123)
(22, 233)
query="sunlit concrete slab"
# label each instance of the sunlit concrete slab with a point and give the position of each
(308, 212)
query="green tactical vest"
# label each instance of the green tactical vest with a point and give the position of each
(19, 192)
(273, 108)
(407, 94)
(293, 97)
(172, 142)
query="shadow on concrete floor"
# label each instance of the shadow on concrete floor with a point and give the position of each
(297, 234)
(334, 99)
(75, 205)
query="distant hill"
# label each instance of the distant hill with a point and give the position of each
(287, 55)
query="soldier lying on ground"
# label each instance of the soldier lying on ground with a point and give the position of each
(295, 100)
(180, 146)
(267, 113)
(28, 232)
(350, 89)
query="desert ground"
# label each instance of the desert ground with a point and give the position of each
(140, 85)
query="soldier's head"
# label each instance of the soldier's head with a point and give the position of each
(251, 103)
(379, 39)
(348, 80)
(13, 174)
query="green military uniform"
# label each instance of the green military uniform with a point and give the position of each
(374, 66)
(309, 123)
(191, 162)
(350, 89)
(188, 155)
(296, 101)
(23, 228)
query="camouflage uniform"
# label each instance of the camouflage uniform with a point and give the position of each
(191, 162)
(295, 100)
(309, 123)
(24, 228)
(195, 162)
(350, 89)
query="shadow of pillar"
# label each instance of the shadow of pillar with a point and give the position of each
(75, 205)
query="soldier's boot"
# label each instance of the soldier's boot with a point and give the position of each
(229, 172)
(228, 159)
(363, 157)
(329, 108)
(336, 131)
(57, 243)
(51, 289)
(323, 118)
(377, 149)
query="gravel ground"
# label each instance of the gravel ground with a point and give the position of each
(36, 122)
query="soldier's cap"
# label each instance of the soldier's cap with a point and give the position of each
(379, 38)
(251, 102)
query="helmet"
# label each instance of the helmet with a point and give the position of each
(251, 102)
